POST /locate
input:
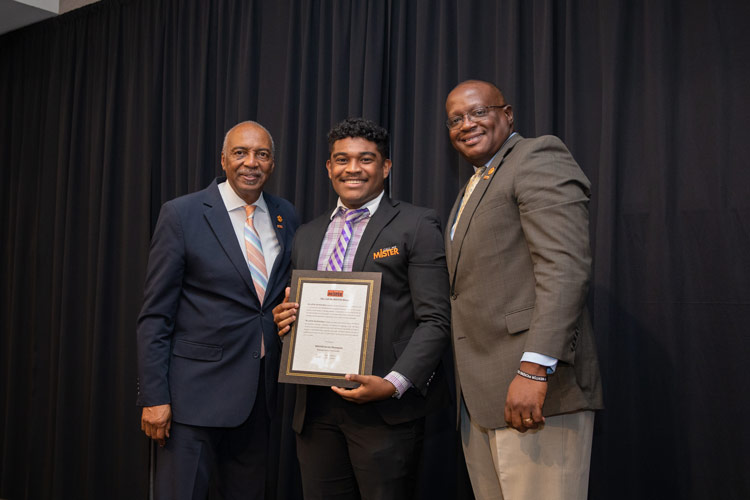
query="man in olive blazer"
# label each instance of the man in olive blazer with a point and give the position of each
(519, 262)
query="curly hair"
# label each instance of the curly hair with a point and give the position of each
(360, 127)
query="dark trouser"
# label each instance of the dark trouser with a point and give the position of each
(347, 451)
(230, 462)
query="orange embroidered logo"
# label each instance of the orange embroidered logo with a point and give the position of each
(385, 252)
(335, 293)
(492, 170)
(279, 218)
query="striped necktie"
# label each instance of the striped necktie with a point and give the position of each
(256, 261)
(254, 249)
(467, 193)
(336, 260)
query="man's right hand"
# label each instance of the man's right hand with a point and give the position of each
(284, 314)
(156, 422)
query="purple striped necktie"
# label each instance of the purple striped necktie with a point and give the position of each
(336, 260)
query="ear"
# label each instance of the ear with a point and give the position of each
(509, 113)
(328, 167)
(386, 168)
(223, 160)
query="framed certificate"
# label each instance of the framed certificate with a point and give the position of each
(334, 333)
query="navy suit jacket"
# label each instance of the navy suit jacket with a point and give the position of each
(199, 331)
(414, 316)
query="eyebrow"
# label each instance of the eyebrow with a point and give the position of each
(243, 148)
(361, 153)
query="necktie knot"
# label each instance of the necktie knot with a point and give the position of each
(352, 216)
(249, 211)
(336, 260)
(479, 172)
(473, 181)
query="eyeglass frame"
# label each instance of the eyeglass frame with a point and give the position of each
(472, 119)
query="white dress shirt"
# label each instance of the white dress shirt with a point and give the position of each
(261, 221)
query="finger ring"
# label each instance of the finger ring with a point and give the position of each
(529, 419)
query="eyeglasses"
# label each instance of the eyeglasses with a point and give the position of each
(473, 115)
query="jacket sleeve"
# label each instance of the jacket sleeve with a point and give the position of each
(552, 194)
(428, 286)
(156, 321)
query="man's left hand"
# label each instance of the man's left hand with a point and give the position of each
(523, 406)
(371, 388)
(284, 314)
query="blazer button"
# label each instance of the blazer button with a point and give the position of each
(454, 296)
(256, 354)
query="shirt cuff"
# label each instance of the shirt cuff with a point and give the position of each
(401, 383)
(541, 359)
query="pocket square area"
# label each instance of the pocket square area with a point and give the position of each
(385, 252)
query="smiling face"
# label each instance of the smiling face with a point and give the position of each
(479, 140)
(247, 159)
(357, 170)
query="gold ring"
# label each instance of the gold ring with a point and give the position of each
(529, 419)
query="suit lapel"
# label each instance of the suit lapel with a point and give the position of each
(282, 236)
(308, 256)
(217, 217)
(386, 211)
(473, 202)
(451, 218)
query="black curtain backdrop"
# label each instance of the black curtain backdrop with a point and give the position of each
(109, 111)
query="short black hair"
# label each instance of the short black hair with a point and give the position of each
(364, 128)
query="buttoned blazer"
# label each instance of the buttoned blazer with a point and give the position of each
(199, 330)
(413, 329)
(519, 266)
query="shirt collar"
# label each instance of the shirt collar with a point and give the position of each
(371, 205)
(232, 200)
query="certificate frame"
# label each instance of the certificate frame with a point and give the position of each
(359, 291)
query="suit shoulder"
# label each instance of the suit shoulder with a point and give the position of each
(190, 200)
(321, 220)
(283, 203)
(549, 143)
(546, 155)
(284, 206)
(411, 210)
(416, 218)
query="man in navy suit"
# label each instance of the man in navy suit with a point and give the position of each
(208, 353)
(366, 442)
